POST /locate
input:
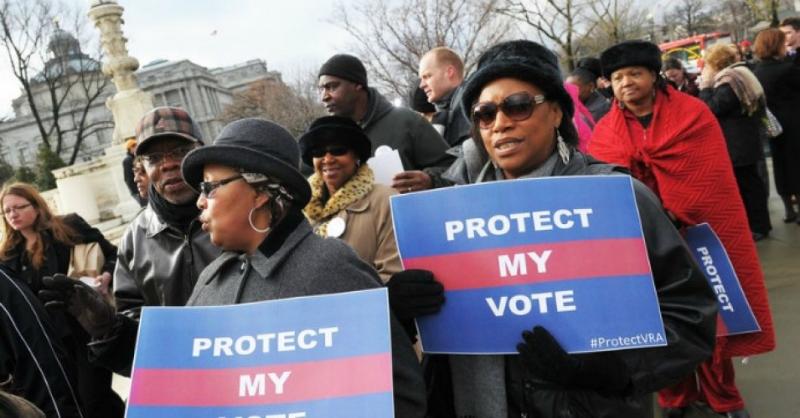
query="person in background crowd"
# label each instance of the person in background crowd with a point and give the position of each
(345, 201)
(586, 81)
(582, 118)
(441, 72)
(746, 51)
(33, 361)
(140, 178)
(592, 65)
(38, 244)
(737, 99)
(344, 92)
(791, 28)
(251, 197)
(127, 171)
(517, 92)
(162, 252)
(780, 79)
(674, 72)
(673, 143)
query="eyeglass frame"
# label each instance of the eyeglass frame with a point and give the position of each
(208, 188)
(16, 209)
(533, 102)
(176, 153)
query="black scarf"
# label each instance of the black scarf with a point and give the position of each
(176, 216)
(281, 231)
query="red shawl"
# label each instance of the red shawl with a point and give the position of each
(683, 158)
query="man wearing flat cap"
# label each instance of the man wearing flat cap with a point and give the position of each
(344, 91)
(163, 250)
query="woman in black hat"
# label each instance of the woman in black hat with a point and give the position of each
(345, 201)
(251, 197)
(522, 121)
(673, 143)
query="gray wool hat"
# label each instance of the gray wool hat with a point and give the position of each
(255, 146)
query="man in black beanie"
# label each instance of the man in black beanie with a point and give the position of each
(344, 91)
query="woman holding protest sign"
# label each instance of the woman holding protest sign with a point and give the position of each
(522, 123)
(251, 197)
(657, 133)
(345, 201)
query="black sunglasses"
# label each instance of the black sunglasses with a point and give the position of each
(517, 107)
(207, 188)
(335, 150)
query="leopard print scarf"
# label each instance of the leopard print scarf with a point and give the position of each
(320, 213)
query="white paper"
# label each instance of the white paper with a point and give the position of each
(385, 165)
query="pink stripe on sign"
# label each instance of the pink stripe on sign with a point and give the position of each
(566, 261)
(221, 387)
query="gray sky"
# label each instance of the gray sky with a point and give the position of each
(292, 36)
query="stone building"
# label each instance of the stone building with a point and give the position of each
(201, 91)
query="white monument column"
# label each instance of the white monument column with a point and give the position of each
(130, 103)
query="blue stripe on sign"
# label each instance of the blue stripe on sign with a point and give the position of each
(420, 218)
(467, 324)
(366, 406)
(167, 334)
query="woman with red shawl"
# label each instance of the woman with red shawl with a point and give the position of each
(673, 143)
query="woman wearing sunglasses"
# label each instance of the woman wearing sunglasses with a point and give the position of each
(345, 201)
(251, 197)
(522, 122)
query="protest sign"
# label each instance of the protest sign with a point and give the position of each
(735, 315)
(316, 356)
(385, 165)
(565, 253)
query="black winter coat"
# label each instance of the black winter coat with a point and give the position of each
(781, 83)
(742, 132)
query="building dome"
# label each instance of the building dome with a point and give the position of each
(62, 44)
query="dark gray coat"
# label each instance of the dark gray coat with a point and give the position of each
(301, 263)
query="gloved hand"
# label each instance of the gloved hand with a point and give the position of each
(544, 357)
(87, 305)
(414, 293)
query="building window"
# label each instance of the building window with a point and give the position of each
(174, 98)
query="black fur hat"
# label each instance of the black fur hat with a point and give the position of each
(522, 60)
(629, 54)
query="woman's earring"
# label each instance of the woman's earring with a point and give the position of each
(620, 105)
(253, 225)
(563, 148)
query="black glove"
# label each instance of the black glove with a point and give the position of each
(87, 305)
(414, 293)
(544, 357)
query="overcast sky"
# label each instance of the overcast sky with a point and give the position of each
(290, 35)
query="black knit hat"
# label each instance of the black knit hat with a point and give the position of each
(335, 130)
(629, 54)
(345, 66)
(255, 146)
(522, 60)
(592, 65)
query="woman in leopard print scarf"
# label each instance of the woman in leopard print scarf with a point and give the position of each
(345, 202)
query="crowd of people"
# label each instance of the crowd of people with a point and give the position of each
(236, 220)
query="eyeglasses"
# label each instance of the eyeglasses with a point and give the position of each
(517, 107)
(335, 150)
(209, 188)
(16, 209)
(154, 159)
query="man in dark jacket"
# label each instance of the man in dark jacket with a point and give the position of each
(344, 92)
(163, 250)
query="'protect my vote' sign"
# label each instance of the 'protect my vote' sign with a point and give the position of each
(317, 356)
(735, 314)
(566, 253)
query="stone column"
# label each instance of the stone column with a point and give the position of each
(130, 103)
